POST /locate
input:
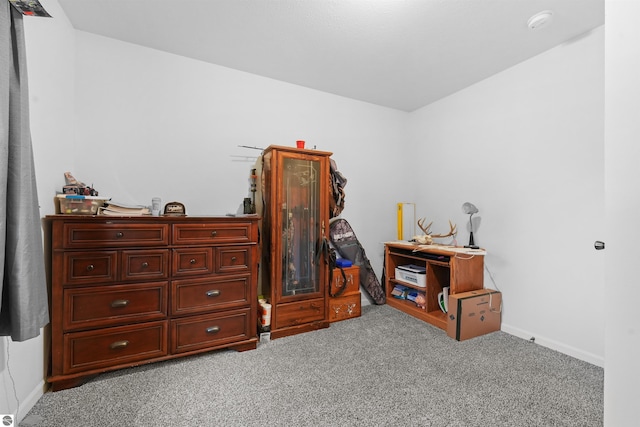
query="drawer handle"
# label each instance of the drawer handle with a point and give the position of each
(119, 344)
(214, 233)
(120, 303)
(213, 329)
(233, 259)
(119, 234)
(90, 267)
(192, 261)
(213, 293)
(145, 265)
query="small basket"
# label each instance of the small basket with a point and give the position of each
(71, 204)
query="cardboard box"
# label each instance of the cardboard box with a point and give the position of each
(474, 313)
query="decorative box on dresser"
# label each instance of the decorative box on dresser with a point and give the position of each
(344, 294)
(132, 290)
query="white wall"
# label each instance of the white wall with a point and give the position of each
(622, 345)
(526, 147)
(50, 67)
(156, 124)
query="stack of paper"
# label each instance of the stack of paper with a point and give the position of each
(121, 209)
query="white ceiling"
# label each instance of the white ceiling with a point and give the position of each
(402, 54)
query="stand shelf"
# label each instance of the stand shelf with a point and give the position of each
(460, 270)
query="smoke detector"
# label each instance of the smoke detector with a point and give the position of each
(540, 20)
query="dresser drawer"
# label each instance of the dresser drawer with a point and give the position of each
(192, 261)
(114, 346)
(114, 305)
(147, 264)
(211, 233)
(203, 295)
(84, 268)
(233, 259)
(346, 307)
(208, 331)
(114, 234)
(297, 313)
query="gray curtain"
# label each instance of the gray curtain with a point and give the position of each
(23, 300)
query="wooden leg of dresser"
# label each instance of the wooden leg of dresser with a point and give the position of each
(244, 347)
(57, 385)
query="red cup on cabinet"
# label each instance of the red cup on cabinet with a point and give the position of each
(300, 144)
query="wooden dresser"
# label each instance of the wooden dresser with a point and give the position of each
(132, 290)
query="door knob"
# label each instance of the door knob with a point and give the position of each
(598, 245)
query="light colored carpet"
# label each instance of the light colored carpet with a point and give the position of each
(382, 369)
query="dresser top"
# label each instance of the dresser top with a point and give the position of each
(436, 248)
(150, 218)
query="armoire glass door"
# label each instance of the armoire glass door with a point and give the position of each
(301, 230)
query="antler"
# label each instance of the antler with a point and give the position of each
(427, 229)
(453, 229)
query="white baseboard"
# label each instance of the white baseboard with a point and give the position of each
(31, 399)
(555, 345)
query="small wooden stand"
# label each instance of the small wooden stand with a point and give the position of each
(460, 269)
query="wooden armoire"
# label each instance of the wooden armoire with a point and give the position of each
(295, 193)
